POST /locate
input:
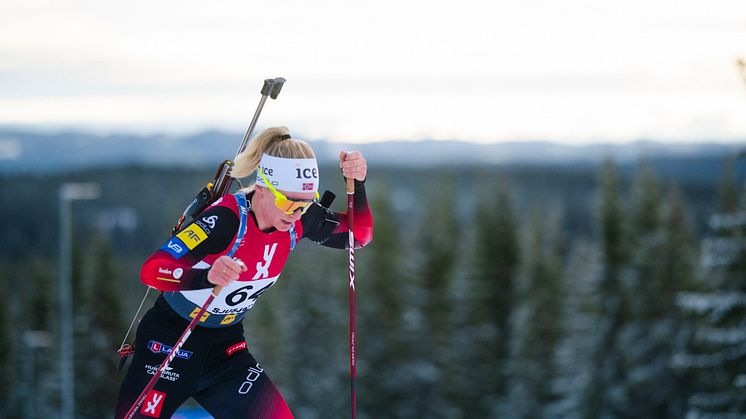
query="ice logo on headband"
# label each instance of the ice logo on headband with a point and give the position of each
(288, 174)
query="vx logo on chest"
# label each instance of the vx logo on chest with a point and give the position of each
(262, 269)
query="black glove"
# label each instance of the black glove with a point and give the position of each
(319, 221)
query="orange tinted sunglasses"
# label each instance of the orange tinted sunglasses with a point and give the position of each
(285, 204)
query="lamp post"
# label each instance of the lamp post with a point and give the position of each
(68, 192)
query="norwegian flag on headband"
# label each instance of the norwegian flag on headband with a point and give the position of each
(308, 186)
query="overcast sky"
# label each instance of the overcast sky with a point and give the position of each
(572, 71)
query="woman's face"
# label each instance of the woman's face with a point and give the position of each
(267, 213)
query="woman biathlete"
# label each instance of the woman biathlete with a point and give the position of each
(241, 242)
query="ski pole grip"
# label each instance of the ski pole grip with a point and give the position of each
(272, 87)
(350, 185)
(216, 290)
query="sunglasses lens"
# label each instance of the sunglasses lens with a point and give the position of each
(290, 207)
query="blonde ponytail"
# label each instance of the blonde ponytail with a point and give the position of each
(274, 141)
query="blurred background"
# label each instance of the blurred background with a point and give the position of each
(558, 189)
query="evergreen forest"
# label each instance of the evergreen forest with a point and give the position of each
(496, 291)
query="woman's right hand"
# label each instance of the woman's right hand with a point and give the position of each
(225, 270)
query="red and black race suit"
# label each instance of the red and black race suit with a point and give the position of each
(205, 369)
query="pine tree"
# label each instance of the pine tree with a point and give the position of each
(437, 244)
(537, 328)
(490, 300)
(40, 362)
(714, 360)
(581, 315)
(606, 361)
(660, 268)
(641, 287)
(99, 326)
(679, 255)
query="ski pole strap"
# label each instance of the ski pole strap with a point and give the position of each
(243, 211)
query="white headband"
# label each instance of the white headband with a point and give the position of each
(291, 175)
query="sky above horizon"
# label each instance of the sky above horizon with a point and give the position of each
(570, 71)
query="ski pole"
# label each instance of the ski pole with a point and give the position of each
(353, 306)
(177, 346)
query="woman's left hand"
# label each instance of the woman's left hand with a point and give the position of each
(353, 165)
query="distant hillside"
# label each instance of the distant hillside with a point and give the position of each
(34, 152)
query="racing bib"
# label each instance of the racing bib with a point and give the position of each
(236, 298)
